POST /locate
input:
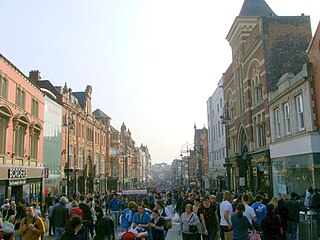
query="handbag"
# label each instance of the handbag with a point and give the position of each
(8, 227)
(167, 224)
(192, 228)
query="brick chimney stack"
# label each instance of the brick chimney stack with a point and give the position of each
(34, 75)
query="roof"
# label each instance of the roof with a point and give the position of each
(113, 129)
(46, 84)
(100, 114)
(254, 8)
(81, 96)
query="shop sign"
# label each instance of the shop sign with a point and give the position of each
(17, 173)
(16, 182)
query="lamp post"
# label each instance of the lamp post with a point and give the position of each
(75, 180)
(186, 148)
(123, 170)
(69, 123)
(224, 120)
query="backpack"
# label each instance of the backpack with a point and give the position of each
(34, 219)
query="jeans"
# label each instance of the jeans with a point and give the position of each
(115, 216)
(58, 232)
(212, 231)
(291, 233)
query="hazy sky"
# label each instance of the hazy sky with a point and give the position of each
(152, 64)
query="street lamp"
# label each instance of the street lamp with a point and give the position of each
(69, 123)
(75, 180)
(186, 148)
(225, 120)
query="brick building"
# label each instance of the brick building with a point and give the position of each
(21, 135)
(264, 47)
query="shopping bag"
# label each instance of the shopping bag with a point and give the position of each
(228, 235)
(255, 236)
(8, 227)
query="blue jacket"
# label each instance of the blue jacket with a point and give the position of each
(126, 218)
(115, 204)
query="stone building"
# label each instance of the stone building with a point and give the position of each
(264, 47)
(21, 135)
(295, 139)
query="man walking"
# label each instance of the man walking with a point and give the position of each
(115, 209)
(294, 207)
(31, 227)
(60, 216)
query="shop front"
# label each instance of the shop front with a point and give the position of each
(295, 173)
(21, 183)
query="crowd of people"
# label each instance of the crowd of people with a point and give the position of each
(201, 215)
(231, 215)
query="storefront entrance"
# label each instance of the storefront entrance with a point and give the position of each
(16, 193)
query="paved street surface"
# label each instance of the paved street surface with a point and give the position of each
(172, 234)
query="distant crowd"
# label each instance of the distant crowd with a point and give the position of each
(206, 215)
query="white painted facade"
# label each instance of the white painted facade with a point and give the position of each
(216, 133)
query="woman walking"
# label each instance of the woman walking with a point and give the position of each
(189, 224)
(164, 213)
(240, 224)
(157, 226)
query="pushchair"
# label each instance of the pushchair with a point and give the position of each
(135, 234)
(128, 236)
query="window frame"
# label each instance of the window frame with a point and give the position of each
(300, 113)
(277, 123)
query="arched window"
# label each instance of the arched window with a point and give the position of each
(257, 90)
(21, 125)
(5, 115)
(35, 131)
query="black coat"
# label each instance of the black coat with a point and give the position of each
(156, 233)
(60, 216)
(104, 227)
(86, 211)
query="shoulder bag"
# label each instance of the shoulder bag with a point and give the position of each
(192, 228)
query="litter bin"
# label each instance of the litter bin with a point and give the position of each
(307, 228)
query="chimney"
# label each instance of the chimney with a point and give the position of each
(34, 75)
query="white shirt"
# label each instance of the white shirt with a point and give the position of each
(225, 206)
(249, 213)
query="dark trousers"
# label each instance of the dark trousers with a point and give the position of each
(189, 236)
(223, 229)
(51, 227)
(212, 232)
